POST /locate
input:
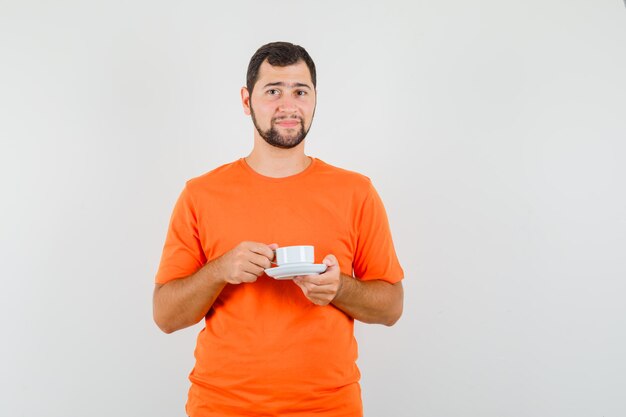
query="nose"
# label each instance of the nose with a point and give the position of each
(287, 104)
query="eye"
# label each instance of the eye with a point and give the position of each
(273, 92)
(301, 93)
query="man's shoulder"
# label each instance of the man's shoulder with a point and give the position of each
(217, 176)
(343, 176)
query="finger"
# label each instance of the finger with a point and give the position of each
(263, 250)
(260, 261)
(321, 279)
(330, 260)
(309, 287)
(253, 269)
(273, 247)
(249, 277)
(314, 288)
(321, 289)
(243, 277)
(311, 280)
(302, 287)
(319, 300)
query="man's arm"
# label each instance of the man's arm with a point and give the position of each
(374, 301)
(184, 302)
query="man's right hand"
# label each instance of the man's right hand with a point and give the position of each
(245, 262)
(183, 302)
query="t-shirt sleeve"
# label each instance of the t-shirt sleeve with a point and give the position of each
(182, 252)
(375, 256)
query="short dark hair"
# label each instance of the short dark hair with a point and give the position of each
(278, 54)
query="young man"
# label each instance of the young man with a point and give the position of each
(277, 347)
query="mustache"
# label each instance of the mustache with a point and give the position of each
(280, 119)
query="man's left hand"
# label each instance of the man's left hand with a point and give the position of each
(322, 289)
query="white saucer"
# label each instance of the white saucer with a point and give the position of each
(290, 271)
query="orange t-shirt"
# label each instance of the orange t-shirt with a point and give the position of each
(266, 349)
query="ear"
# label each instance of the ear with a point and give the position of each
(245, 100)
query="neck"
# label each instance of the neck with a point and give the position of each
(275, 162)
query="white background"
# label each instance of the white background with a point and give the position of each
(494, 131)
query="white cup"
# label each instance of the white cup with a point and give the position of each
(294, 255)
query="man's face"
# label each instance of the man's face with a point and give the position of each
(282, 104)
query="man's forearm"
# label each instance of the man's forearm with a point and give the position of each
(375, 301)
(184, 302)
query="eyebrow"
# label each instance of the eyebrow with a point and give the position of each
(282, 84)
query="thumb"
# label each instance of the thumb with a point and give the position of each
(330, 260)
(273, 246)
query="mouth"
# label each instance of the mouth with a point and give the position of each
(288, 123)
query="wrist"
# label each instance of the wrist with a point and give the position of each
(343, 284)
(213, 273)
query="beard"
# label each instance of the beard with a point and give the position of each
(272, 137)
